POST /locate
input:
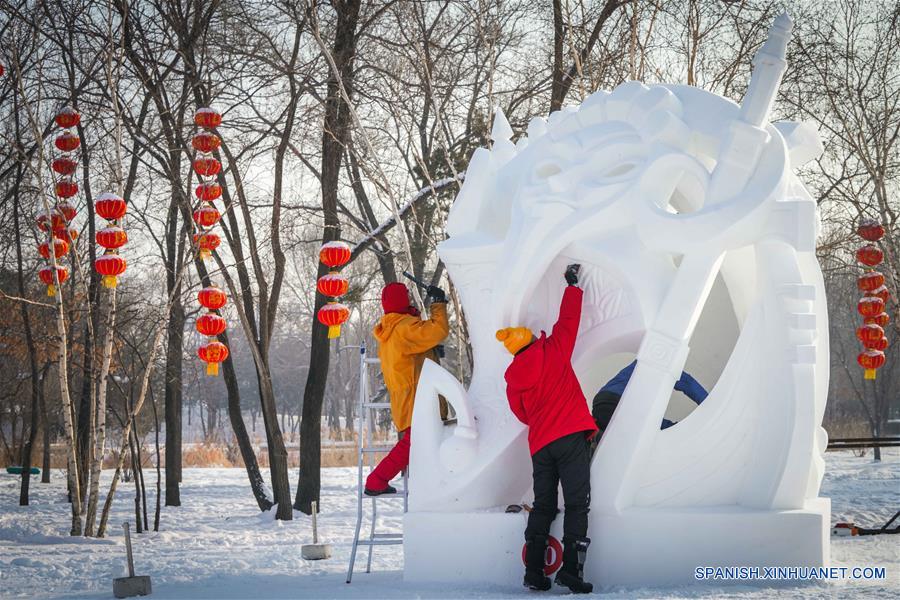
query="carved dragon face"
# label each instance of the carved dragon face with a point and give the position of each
(623, 185)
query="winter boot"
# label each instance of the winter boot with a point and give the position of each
(388, 490)
(535, 551)
(571, 574)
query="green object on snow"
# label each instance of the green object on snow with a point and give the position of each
(18, 470)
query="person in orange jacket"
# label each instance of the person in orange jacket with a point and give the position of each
(405, 340)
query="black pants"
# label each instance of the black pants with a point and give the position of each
(567, 461)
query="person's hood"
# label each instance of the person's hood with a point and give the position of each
(388, 324)
(525, 370)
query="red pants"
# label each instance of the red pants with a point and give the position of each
(391, 465)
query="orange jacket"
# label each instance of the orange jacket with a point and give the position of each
(404, 342)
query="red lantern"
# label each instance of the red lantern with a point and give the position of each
(46, 275)
(870, 360)
(333, 285)
(66, 233)
(335, 254)
(2, 70)
(112, 237)
(206, 142)
(208, 191)
(870, 230)
(64, 165)
(207, 167)
(67, 141)
(870, 306)
(212, 298)
(206, 242)
(210, 324)
(882, 292)
(206, 215)
(333, 315)
(110, 266)
(67, 209)
(879, 344)
(869, 333)
(881, 320)
(68, 118)
(60, 248)
(207, 118)
(110, 207)
(212, 354)
(55, 219)
(869, 255)
(66, 188)
(870, 281)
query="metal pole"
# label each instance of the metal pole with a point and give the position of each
(315, 528)
(363, 393)
(128, 550)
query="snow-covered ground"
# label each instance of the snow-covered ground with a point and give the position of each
(217, 545)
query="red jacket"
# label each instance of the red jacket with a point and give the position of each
(541, 386)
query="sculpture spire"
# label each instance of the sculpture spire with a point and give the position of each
(769, 65)
(741, 149)
(501, 129)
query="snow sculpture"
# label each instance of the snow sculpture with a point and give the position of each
(697, 243)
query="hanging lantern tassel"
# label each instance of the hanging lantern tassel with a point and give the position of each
(333, 315)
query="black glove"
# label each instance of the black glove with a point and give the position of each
(572, 274)
(437, 294)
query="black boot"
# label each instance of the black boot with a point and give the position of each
(571, 574)
(535, 550)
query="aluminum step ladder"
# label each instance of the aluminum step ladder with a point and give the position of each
(366, 446)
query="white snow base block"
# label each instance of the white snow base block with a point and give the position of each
(637, 548)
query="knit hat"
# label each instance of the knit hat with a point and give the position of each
(395, 298)
(514, 338)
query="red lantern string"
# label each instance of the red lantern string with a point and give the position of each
(206, 215)
(872, 305)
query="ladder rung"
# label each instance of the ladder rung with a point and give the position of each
(377, 404)
(377, 449)
(388, 536)
(398, 494)
(373, 361)
(380, 542)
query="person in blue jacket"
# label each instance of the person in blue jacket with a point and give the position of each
(607, 398)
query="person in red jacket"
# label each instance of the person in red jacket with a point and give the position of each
(545, 395)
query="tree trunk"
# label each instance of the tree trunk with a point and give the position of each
(135, 467)
(173, 402)
(86, 408)
(45, 467)
(158, 465)
(29, 342)
(99, 421)
(257, 485)
(557, 93)
(335, 137)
